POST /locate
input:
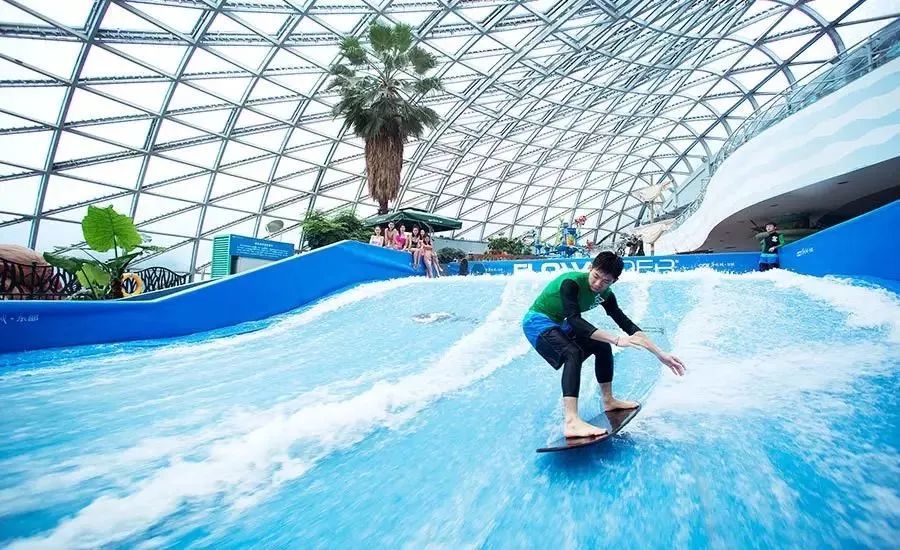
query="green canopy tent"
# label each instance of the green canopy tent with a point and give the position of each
(414, 216)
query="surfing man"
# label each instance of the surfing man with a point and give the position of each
(556, 330)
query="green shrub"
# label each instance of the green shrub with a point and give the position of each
(320, 230)
(510, 246)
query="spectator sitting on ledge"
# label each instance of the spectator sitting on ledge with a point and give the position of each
(401, 239)
(377, 239)
(389, 235)
(412, 246)
(427, 253)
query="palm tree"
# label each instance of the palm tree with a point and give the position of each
(378, 96)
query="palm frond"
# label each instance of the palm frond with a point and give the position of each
(425, 85)
(402, 37)
(341, 69)
(401, 60)
(421, 60)
(381, 37)
(353, 51)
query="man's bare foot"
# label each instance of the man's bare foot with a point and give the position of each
(577, 427)
(613, 404)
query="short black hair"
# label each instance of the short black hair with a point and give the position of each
(608, 262)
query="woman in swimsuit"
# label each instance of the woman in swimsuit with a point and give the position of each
(377, 239)
(401, 238)
(427, 252)
(389, 235)
(412, 245)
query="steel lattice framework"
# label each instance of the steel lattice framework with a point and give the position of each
(199, 117)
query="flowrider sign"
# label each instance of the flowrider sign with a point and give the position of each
(739, 262)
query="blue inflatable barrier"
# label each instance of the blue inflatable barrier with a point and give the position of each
(735, 262)
(256, 294)
(865, 246)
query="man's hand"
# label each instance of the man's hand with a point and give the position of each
(771, 249)
(674, 363)
(641, 340)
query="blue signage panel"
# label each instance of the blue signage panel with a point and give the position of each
(735, 262)
(247, 247)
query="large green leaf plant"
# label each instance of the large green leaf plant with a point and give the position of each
(104, 230)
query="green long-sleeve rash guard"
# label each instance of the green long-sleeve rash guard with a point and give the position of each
(570, 294)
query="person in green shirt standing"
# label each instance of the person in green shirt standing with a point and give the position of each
(769, 246)
(554, 327)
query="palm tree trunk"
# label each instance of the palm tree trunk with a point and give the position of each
(384, 160)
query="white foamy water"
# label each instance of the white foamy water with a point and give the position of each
(222, 468)
(244, 466)
(772, 378)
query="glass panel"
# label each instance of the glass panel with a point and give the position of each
(151, 207)
(72, 146)
(72, 13)
(180, 19)
(62, 192)
(177, 258)
(100, 63)
(148, 95)
(26, 149)
(19, 195)
(162, 56)
(16, 233)
(123, 173)
(54, 233)
(191, 189)
(89, 106)
(76, 214)
(132, 134)
(55, 57)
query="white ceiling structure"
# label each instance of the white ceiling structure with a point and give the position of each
(202, 117)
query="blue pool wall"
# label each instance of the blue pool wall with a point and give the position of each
(257, 294)
(864, 247)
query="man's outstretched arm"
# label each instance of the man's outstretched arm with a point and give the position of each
(637, 337)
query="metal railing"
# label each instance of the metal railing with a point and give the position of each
(865, 57)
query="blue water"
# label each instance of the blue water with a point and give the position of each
(406, 413)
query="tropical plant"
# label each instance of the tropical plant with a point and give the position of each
(507, 245)
(320, 229)
(103, 229)
(446, 255)
(379, 95)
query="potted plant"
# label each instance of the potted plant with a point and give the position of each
(104, 230)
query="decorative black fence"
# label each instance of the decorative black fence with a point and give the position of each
(155, 278)
(44, 282)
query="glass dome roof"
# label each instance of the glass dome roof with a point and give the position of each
(201, 117)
